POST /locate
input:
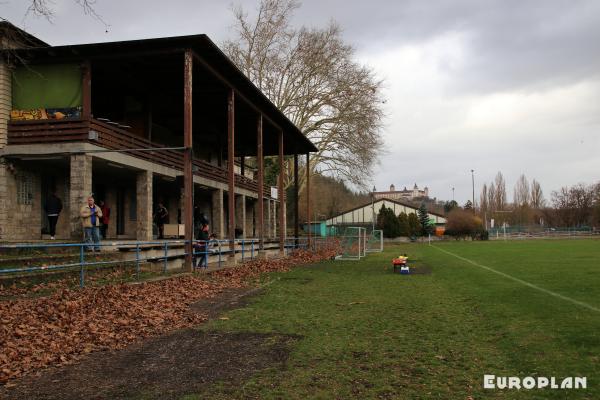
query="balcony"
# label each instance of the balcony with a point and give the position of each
(111, 137)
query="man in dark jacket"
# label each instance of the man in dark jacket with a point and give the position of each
(53, 209)
(200, 247)
(161, 217)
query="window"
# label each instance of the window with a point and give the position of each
(25, 188)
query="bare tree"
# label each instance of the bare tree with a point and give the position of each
(491, 202)
(500, 198)
(596, 204)
(561, 202)
(45, 8)
(310, 75)
(574, 204)
(12, 37)
(521, 192)
(483, 200)
(537, 196)
(581, 197)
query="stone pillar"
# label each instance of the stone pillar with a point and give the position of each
(144, 205)
(251, 230)
(218, 220)
(81, 188)
(240, 213)
(5, 107)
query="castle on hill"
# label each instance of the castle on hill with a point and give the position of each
(405, 194)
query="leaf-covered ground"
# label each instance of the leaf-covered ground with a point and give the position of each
(62, 327)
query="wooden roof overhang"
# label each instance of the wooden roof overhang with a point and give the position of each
(154, 68)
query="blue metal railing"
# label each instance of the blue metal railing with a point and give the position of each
(201, 252)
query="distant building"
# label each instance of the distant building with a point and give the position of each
(405, 194)
(365, 214)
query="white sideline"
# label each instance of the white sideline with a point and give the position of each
(531, 285)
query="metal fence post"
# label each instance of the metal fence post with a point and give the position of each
(219, 253)
(252, 250)
(81, 263)
(137, 261)
(166, 255)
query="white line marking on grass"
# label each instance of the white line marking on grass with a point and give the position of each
(522, 282)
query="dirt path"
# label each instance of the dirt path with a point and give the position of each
(167, 367)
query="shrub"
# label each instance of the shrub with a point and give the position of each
(462, 223)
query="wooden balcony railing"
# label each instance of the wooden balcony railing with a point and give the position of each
(115, 138)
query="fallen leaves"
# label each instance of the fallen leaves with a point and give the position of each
(60, 328)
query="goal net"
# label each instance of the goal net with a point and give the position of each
(375, 241)
(353, 242)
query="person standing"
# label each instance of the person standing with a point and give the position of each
(201, 246)
(53, 208)
(105, 218)
(161, 217)
(90, 219)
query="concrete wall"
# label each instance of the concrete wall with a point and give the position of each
(21, 221)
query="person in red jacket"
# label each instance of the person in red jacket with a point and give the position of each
(104, 219)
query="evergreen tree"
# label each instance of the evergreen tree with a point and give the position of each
(468, 205)
(413, 224)
(423, 216)
(450, 205)
(388, 222)
(403, 221)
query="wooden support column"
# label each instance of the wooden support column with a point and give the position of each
(261, 183)
(188, 179)
(86, 90)
(296, 207)
(230, 169)
(281, 197)
(308, 198)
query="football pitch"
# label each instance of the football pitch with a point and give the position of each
(509, 309)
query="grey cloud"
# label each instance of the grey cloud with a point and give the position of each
(526, 45)
(513, 44)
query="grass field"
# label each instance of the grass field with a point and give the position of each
(366, 333)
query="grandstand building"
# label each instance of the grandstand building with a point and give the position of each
(137, 123)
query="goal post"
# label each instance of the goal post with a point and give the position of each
(352, 243)
(375, 242)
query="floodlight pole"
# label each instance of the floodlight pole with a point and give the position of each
(473, 182)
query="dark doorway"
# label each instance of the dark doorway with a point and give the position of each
(99, 191)
(120, 211)
(48, 185)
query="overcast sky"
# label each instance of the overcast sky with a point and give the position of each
(485, 85)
